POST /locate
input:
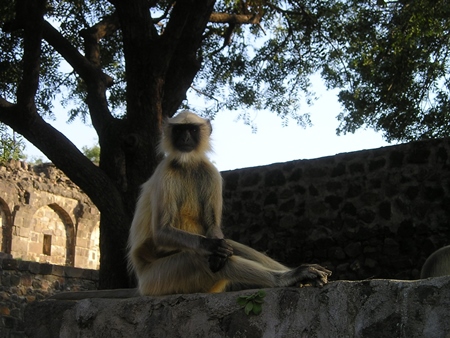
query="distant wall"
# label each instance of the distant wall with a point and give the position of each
(23, 282)
(46, 218)
(372, 213)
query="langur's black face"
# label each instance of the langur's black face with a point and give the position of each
(185, 137)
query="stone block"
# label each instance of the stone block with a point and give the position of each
(35, 248)
(73, 272)
(9, 264)
(57, 270)
(46, 269)
(34, 268)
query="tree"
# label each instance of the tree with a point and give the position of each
(11, 145)
(132, 62)
(395, 74)
(159, 67)
(92, 153)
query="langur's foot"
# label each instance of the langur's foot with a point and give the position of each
(312, 275)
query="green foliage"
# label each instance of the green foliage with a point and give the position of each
(11, 145)
(35, 160)
(394, 77)
(252, 303)
(57, 78)
(92, 153)
(389, 59)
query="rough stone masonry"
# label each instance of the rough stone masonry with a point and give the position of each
(370, 308)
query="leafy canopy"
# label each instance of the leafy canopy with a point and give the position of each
(395, 73)
(388, 58)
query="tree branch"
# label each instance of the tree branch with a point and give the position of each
(94, 34)
(30, 15)
(5, 104)
(95, 79)
(141, 50)
(24, 118)
(254, 18)
(185, 31)
(63, 154)
(165, 14)
(79, 63)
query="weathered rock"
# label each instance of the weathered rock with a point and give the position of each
(371, 308)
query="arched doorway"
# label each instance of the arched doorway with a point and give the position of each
(7, 226)
(70, 233)
(52, 239)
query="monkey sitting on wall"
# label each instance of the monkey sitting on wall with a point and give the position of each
(176, 244)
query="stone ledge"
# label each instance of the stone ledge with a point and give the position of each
(370, 308)
(37, 268)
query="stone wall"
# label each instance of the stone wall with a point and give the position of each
(46, 218)
(373, 213)
(23, 282)
(360, 309)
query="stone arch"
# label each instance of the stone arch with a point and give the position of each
(70, 233)
(52, 237)
(7, 226)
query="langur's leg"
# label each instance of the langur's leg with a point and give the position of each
(242, 270)
(254, 255)
(189, 272)
(183, 272)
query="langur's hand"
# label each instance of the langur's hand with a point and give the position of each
(216, 246)
(216, 263)
(219, 249)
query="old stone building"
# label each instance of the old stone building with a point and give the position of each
(46, 218)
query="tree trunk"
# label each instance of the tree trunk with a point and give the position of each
(160, 68)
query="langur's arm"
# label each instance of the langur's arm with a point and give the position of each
(212, 223)
(213, 215)
(167, 236)
(212, 209)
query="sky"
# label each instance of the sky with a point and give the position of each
(236, 146)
